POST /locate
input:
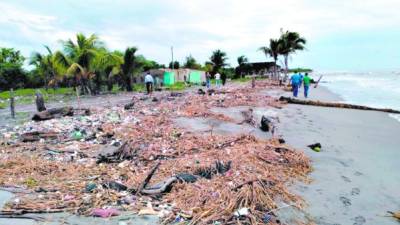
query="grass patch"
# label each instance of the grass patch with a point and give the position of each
(178, 86)
(139, 87)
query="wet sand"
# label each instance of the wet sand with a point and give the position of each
(356, 176)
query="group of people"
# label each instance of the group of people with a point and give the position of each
(219, 79)
(297, 80)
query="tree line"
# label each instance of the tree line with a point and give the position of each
(85, 63)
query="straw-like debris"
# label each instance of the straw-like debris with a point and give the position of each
(127, 159)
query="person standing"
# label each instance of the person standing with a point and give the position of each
(223, 78)
(295, 81)
(217, 80)
(301, 80)
(208, 79)
(306, 84)
(148, 79)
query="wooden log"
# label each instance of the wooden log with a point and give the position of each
(36, 136)
(53, 113)
(39, 102)
(334, 105)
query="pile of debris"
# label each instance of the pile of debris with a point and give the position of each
(136, 159)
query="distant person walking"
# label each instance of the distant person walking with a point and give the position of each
(148, 79)
(306, 83)
(301, 80)
(208, 79)
(223, 78)
(217, 80)
(295, 81)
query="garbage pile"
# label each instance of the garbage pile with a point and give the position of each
(136, 159)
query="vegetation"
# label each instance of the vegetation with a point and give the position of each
(12, 75)
(300, 70)
(191, 63)
(218, 61)
(176, 65)
(85, 64)
(288, 43)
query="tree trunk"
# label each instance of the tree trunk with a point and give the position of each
(334, 104)
(128, 83)
(286, 66)
(109, 82)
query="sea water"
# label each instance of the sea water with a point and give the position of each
(375, 89)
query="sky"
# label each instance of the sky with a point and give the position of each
(342, 35)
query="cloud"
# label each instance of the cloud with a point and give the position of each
(194, 27)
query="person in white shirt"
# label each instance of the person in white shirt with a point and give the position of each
(217, 79)
(149, 81)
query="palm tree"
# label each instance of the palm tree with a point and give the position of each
(290, 42)
(107, 65)
(46, 65)
(128, 66)
(218, 59)
(79, 57)
(242, 60)
(273, 51)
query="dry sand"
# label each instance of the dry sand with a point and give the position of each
(356, 175)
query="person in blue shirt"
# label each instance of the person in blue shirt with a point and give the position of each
(295, 81)
(301, 79)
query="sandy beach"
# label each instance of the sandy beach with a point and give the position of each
(355, 177)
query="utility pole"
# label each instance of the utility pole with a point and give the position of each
(172, 54)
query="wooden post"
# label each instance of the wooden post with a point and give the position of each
(12, 103)
(253, 82)
(39, 102)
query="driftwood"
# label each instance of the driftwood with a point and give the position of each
(39, 102)
(36, 136)
(335, 105)
(53, 113)
(148, 178)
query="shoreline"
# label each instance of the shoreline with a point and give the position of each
(354, 180)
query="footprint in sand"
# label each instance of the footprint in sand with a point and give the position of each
(346, 179)
(359, 220)
(355, 191)
(358, 173)
(345, 201)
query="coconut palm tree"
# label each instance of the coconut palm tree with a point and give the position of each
(242, 68)
(46, 65)
(218, 59)
(79, 57)
(107, 65)
(128, 67)
(273, 51)
(289, 43)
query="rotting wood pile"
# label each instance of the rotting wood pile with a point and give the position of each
(201, 178)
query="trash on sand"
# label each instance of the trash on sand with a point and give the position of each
(148, 210)
(90, 187)
(105, 213)
(265, 124)
(115, 186)
(315, 147)
(241, 212)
